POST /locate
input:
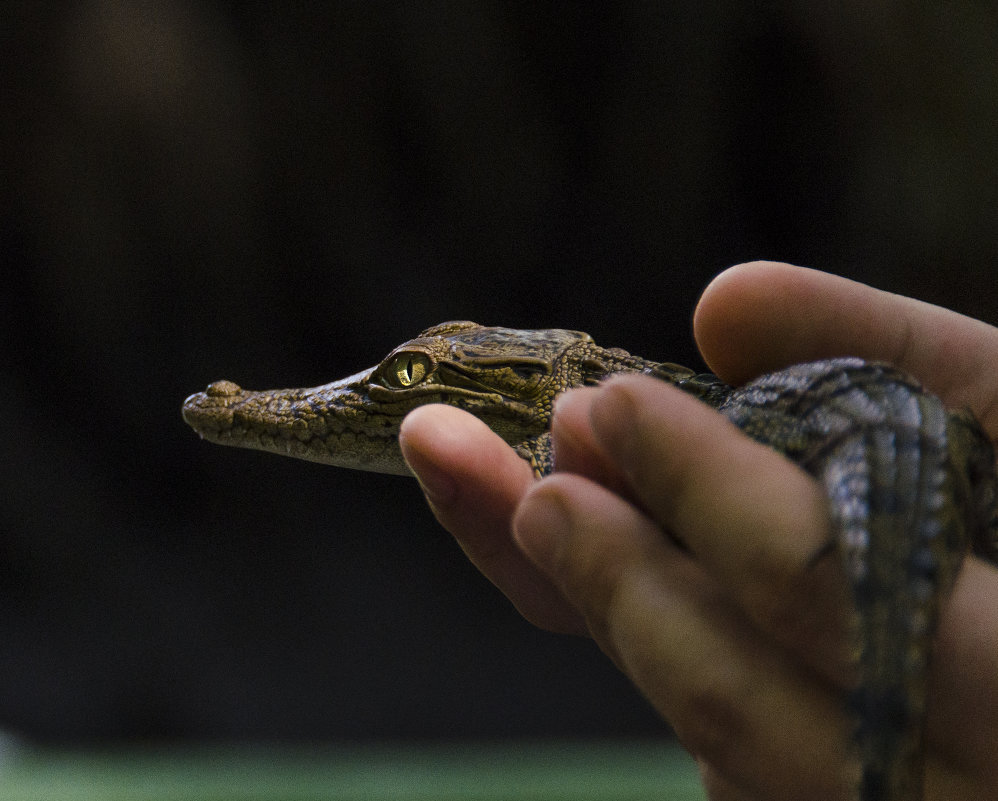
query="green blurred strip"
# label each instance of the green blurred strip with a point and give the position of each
(555, 771)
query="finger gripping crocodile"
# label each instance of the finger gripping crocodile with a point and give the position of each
(911, 486)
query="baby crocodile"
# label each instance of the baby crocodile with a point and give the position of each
(911, 487)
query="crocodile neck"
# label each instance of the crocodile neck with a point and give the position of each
(506, 377)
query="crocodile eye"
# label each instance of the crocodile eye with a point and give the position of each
(408, 369)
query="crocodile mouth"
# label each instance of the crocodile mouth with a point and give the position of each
(336, 430)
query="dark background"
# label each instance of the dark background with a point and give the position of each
(278, 194)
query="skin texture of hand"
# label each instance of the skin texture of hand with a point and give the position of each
(737, 641)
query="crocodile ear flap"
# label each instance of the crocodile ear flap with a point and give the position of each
(593, 371)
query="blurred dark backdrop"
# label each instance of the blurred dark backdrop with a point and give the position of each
(278, 194)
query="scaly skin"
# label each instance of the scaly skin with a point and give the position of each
(911, 487)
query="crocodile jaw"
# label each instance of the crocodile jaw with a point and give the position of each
(336, 423)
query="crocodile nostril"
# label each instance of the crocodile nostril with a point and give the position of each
(223, 389)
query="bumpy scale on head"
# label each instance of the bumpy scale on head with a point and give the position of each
(507, 377)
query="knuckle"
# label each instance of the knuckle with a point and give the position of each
(775, 606)
(808, 609)
(712, 724)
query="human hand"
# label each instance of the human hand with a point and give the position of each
(735, 642)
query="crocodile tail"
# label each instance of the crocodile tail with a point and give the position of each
(901, 539)
(908, 486)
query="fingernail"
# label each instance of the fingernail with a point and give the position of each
(541, 527)
(571, 399)
(612, 414)
(437, 484)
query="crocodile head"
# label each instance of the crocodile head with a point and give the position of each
(506, 377)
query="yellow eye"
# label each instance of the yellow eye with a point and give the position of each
(408, 369)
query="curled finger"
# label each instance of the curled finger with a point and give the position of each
(738, 701)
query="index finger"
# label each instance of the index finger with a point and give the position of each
(473, 482)
(762, 316)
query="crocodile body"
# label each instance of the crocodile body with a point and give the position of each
(911, 486)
